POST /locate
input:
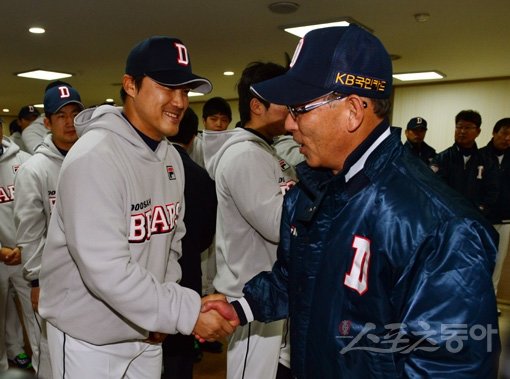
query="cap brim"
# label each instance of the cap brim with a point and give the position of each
(287, 90)
(67, 103)
(180, 78)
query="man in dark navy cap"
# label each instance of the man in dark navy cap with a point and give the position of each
(384, 271)
(415, 134)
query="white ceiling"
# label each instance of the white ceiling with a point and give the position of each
(464, 39)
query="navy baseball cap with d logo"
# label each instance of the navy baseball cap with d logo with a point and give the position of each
(347, 60)
(165, 60)
(58, 97)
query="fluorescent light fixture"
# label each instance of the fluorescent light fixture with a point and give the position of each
(6, 110)
(37, 30)
(44, 75)
(193, 94)
(39, 105)
(427, 75)
(228, 73)
(301, 30)
(110, 101)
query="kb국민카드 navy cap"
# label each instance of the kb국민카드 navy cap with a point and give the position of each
(57, 97)
(166, 61)
(417, 123)
(347, 60)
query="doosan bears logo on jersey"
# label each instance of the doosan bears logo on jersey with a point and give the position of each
(6, 194)
(15, 168)
(170, 172)
(159, 219)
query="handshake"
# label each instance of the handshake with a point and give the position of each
(217, 319)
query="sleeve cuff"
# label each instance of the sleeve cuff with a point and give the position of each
(243, 310)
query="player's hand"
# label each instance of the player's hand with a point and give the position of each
(211, 326)
(214, 296)
(225, 309)
(10, 257)
(34, 298)
(156, 337)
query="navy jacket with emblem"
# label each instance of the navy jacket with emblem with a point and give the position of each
(391, 250)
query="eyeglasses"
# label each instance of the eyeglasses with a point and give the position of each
(296, 111)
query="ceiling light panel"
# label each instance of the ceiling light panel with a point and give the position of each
(426, 75)
(44, 75)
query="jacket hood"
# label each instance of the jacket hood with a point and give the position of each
(9, 148)
(110, 118)
(48, 148)
(216, 143)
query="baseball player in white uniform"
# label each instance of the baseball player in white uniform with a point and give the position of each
(11, 158)
(36, 181)
(109, 267)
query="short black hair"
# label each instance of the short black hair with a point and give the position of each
(14, 126)
(503, 123)
(216, 105)
(188, 127)
(254, 73)
(469, 116)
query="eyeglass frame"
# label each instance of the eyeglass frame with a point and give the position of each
(302, 109)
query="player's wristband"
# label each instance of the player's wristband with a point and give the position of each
(34, 283)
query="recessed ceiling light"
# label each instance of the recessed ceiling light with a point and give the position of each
(301, 30)
(6, 110)
(110, 101)
(193, 94)
(37, 30)
(228, 73)
(283, 7)
(44, 75)
(427, 75)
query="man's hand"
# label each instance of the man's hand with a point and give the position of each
(34, 298)
(10, 257)
(212, 326)
(225, 309)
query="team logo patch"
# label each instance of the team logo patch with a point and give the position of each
(15, 168)
(345, 327)
(283, 165)
(170, 172)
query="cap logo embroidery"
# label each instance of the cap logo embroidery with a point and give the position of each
(360, 82)
(182, 54)
(64, 92)
(419, 120)
(296, 52)
(31, 109)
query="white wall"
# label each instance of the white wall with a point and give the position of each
(439, 103)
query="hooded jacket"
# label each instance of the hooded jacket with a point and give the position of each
(250, 183)
(11, 158)
(109, 266)
(36, 181)
(384, 271)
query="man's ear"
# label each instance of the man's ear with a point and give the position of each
(256, 106)
(128, 83)
(47, 124)
(356, 109)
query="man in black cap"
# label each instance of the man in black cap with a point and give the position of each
(384, 271)
(109, 267)
(415, 134)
